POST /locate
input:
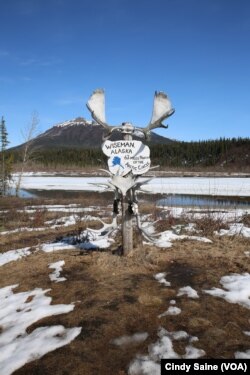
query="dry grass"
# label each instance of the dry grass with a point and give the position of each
(209, 224)
(116, 296)
(246, 220)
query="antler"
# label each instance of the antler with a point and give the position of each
(162, 109)
(96, 106)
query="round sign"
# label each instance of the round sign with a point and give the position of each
(127, 156)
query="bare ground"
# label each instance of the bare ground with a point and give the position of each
(116, 296)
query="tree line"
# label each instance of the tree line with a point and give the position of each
(175, 154)
(202, 153)
(222, 152)
(5, 158)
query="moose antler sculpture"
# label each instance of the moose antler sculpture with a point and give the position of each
(162, 109)
(128, 159)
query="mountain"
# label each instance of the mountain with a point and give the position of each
(80, 133)
(78, 143)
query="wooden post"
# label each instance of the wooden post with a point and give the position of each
(127, 218)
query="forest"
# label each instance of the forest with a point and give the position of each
(222, 152)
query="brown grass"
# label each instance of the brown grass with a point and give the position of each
(116, 296)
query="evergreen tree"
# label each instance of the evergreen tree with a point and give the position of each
(5, 172)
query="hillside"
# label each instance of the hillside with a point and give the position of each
(79, 133)
(77, 143)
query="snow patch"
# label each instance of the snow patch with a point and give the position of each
(13, 255)
(160, 277)
(163, 348)
(196, 213)
(242, 355)
(57, 246)
(172, 310)
(128, 340)
(228, 186)
(57, 266)
(235, 229)
(188, 291)
(19, 311)
(237, 289)
(101, 243)
(239, 186)
(23, 229)
(166, 237)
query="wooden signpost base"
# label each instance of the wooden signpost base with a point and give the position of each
(127, 218)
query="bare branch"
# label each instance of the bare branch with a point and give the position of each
(28, 135)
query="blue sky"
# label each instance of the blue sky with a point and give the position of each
(54, 53)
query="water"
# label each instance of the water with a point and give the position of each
(183, 200)
(22, 193)
(179, 200)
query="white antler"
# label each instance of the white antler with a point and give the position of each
(162, 109)
(96, 106)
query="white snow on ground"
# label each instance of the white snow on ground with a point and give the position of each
(235, 229)
(61, 183)
(239, 186)
(101, 243)
(57, 267)
(166, 237)
(187, 291)
(237, 289)
(18, 311)
(163, 348)
(128, 340)
(98, 238)
(52, 224)
(52, 208)
(160, 277)
(195, 213)
(191, 227)
(200, 186)
(13, 255)
(57, 246)
(24, 229)
(66, 221)
(57, 208)
(172, 310)
(95, 240)
(242, 355)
